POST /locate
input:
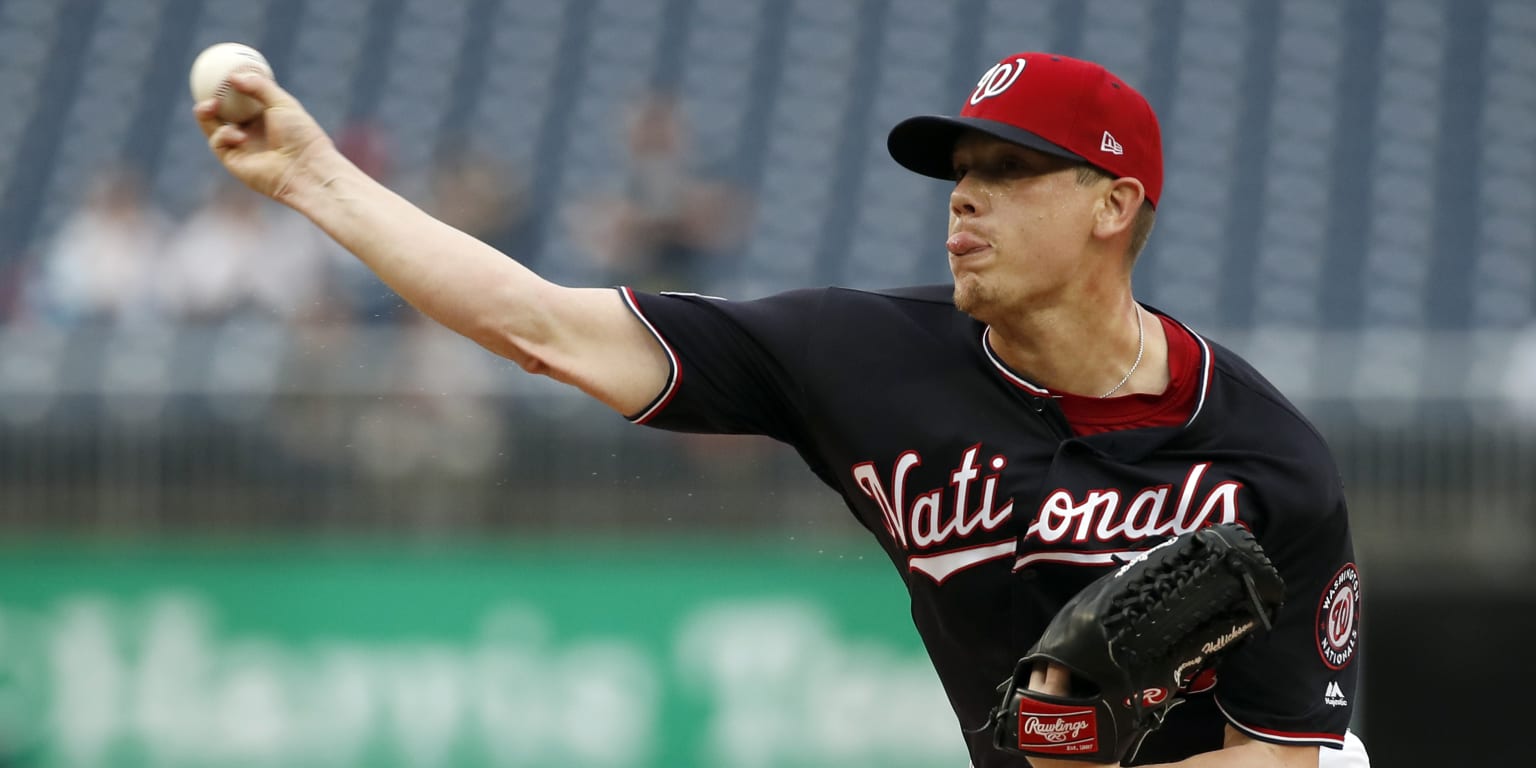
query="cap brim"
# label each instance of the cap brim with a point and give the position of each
(926, 144)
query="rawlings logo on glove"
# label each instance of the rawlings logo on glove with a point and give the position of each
(1135, 636)
(1046, 728)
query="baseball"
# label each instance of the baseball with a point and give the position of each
(211, 71)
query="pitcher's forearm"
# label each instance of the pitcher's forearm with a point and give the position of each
(447, 274)
(584, 337)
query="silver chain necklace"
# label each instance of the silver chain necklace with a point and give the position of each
(1141, 346)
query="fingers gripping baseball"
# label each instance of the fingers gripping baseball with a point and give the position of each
(266, 151)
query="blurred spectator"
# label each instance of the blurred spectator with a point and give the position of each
(207, 254)
(361, 294)
(292, 278)
(1519, 371)
(240, 255)
(444, 426)
(670, 219)
(13, 277)
(477, 194)
(101, 264)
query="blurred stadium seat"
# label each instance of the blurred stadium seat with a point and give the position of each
(1349, 198)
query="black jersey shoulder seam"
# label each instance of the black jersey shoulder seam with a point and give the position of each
(1226, 370)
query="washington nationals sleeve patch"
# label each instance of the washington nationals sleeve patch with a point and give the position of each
(1338, 618)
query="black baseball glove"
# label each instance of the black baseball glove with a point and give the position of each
(1133, 638)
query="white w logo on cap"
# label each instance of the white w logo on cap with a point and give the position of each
(997, 79)
(1108, 144)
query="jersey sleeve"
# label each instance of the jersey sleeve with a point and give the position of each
(736, 367)
(1297, 683)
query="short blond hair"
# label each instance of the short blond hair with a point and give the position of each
(1141, 229)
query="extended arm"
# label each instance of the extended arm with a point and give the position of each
(583, 337)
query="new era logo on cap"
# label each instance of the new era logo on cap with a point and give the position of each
(1054, 104)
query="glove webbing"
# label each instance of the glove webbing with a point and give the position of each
(1183, 593)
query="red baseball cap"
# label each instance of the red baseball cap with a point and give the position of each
(1055, 104)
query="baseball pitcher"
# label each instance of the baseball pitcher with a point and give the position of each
(1123, 546)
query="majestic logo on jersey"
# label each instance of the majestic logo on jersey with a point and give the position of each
(923, 521)
(1338, 618)
(997, 79)
(1333, 695)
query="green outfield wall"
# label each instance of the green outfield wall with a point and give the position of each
(562, 654)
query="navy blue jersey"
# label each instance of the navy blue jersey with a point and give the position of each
(995, 514)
